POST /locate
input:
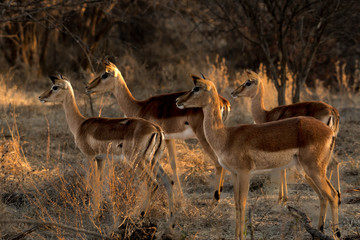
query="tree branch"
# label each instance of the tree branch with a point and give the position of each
(53, 224)
(307, 224)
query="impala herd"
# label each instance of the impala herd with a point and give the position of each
(301, 135)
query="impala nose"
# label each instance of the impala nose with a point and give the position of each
(87, 90)
(179, 105)
(41, 99)
(234, 95)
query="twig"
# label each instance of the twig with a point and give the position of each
(307, 224)
(91, 105)
(251, 226)
(60, 225)
(48, 142)
(24, 233)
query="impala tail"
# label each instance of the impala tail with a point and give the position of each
(225, 110)
(335, 120)
(155, 147)
(154, 151)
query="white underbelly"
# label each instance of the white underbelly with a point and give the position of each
(263, 160)
(291, 164)
(186, 134)
(115, 158)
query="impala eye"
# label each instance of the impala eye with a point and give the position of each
(105, 75)
(55, 88)
(248, 83)
(196, 89)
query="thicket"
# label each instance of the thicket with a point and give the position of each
(164, 41)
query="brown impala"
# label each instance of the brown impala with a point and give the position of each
(161, 109)
(253, 87)
(304, 142)
(137, 140)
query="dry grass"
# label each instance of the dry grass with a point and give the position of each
(41, 173)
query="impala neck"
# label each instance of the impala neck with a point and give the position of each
(73, 116)
(257, 105)
(214, 128)
(128, 104)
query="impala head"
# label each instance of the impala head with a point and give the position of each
(61, 86)
(250, 87)
(106, 81)
(201, 95)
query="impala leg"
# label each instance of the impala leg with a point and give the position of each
(104, 186)
(334, 204)
(334, 167)
(323, 203)
(143, 173)
(337, 178)
(91, 183)
(89, 165)
(161, 174)
(219, 181)
(281, 188)
(100, 163)
(170, 144)
(241, 188)
(283, 193)
(219, 171)
(327, 193)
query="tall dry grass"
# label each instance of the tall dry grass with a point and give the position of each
(42, 176)
(44, 185)
(57, 200)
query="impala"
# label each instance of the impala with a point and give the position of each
(138, 141)
(303, 141)
(162, 110)
(253, 87)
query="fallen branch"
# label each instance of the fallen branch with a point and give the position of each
(50, 224)
(353, 190)
(23, 234)
(307, 224)
(251, 226)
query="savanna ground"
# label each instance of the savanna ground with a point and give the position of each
(41, 175)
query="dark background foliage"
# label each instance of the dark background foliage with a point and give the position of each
(305, 38)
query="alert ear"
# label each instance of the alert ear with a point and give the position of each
(248, 71)
(195, 79)
(53, 79)
(106, 62)
(199, 82)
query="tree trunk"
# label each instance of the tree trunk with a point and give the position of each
(281, 95)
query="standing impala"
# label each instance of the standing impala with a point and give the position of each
(253, 87)
(137, 140)
(162, 110)
(305, 142)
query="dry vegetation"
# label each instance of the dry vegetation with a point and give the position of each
(41, 175)
(312, 46)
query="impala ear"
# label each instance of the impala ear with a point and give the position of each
(198, 81)
(106, 61)
(53, 79)
(195, 79)
(202, 75)
(248, 71)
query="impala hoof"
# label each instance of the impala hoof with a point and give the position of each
(217, 195)
(337, 233)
